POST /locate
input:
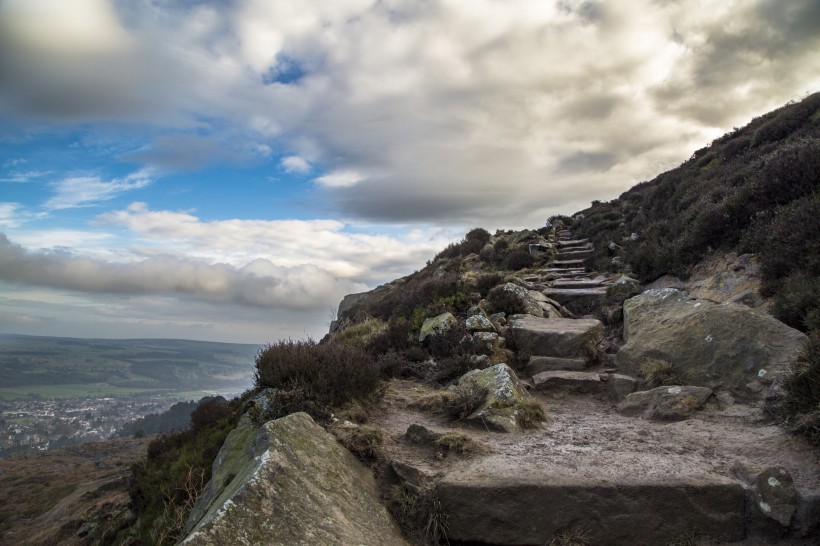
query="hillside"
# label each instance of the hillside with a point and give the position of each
(54, 367)
(754, 190)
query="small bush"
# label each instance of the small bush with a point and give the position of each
(574, 535)
(209, 412)
(659, 373)
(485, 283)
(479, 235)
(453, 367)
(328, 374)
(361, 334)
(448, 344)
(518, 259)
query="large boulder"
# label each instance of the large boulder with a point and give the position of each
(525, 298)
(505, 394)
(562, 338)
(708, 344)
(291, 483)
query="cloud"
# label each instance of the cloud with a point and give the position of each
(13, 215)
(295, 164)
(340, 179)
(258, 284)
(23, 177)
(417, 111)
(87, 191)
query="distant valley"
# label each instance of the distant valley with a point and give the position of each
(54, 367)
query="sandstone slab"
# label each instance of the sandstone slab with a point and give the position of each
(708, 344)
(538, 364)
(296, 486)
(580, 382)
(671, 403)
(563, 338)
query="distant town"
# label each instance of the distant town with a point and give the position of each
(40, 425)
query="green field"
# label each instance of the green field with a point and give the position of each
(51, 367)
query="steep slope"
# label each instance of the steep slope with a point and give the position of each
(752, 190)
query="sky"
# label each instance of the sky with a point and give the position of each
(228, 170)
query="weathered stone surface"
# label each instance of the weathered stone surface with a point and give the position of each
(437, 325)
(295, 485)
(479, 323)
(671, 403)
(770, 494)
(484, 343)
(619, 385)
(515, 510)
(563, 338)
(581, 382)
(505, 393)
(623, 289)
(421, 435)
(538, 364)
(523, 295)
(708, 344)
(580, 301)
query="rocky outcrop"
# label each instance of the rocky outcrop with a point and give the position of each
(707, 343)
(562, 338)
(505, 394)
(580, 382)
(673, 403)
(291, 483)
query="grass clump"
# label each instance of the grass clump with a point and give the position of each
(803, 390)
(364, 441)
(465, 400)
(530, 414)
(659, 373)
(457, 443)
(574, 535)
(361, 334)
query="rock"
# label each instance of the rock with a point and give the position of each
(581, 382)
(437, 325)
(623, 289)
(294, 485)
(479, 323)
(619, 385)
(670, 403)
(541, 250)
(505, 393)
(523, 295)
(707, 343)
(770, 491)
(563, 338)
(484, 343)
(421, 435)
(493, 507)
(538, 364)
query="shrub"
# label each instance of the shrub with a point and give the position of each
(396, 336)
(484, 283)
(329, 374)
(464, 400)
(361, 334)
(364, 441)
(209, 412)
(448, 344)
(453, 367)
(518, 259)
(803, 390)
(479, 235)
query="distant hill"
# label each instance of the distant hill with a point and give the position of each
(756, 189)
(66, 367)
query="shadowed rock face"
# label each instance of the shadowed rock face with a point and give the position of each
(708, 344)
(294, 485)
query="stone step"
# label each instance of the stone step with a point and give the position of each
(574, 254)
(538, 364)
(577, 283)
(581, 301)
(560, 337)
(564, 270)
(565, 380)
(652, 502)
(568, 264)
(573, 242)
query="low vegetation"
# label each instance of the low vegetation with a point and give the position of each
(803, 391)
(658, 373)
